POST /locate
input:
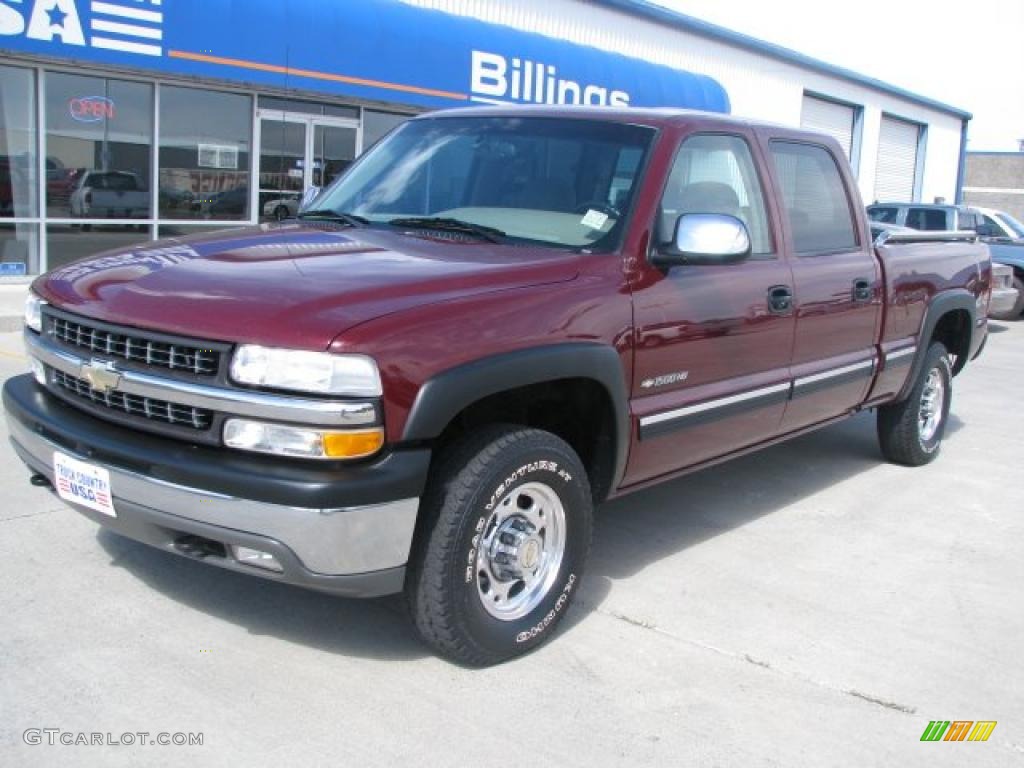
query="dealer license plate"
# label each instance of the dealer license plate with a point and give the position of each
(82, 483)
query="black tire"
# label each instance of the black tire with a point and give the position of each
(280, 213)
(1018, 308)
(900, 431)
(473, 479)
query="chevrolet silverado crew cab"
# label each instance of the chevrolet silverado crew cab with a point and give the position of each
(496, 319)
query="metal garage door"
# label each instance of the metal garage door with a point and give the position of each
(836, 120)
(895, 176)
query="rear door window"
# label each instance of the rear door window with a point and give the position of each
(815, 199)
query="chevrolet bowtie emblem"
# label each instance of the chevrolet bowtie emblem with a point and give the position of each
(101, 376)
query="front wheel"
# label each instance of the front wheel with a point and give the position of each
(911, 432)
(506, 536)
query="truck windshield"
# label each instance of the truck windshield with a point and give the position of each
(556, 182)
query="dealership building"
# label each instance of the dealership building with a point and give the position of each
(122, 120)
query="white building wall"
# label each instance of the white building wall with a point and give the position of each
(759, 86)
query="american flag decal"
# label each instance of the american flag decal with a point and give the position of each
(133, 26)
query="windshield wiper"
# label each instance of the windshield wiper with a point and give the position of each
(451, 225)
(326, 213)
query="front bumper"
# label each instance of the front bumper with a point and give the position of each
(1003, 300)
(345, 529)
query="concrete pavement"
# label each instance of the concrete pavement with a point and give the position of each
(805, 606)
(12, 302)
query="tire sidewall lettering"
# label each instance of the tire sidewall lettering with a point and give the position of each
(526, 469)
(539, 628)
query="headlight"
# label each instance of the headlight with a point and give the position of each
(302, 442)
(34, 312)
(322, 372)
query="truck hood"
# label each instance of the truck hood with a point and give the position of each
(291, 285)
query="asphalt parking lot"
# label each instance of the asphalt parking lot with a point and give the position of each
(805, 606)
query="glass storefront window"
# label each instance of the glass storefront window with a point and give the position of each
(19, 195)
(19, 250)
(205, 150)
(68, 243)
(99, 142)
(376, 125)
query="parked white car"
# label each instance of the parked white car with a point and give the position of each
(281, 208)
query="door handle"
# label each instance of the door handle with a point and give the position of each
(780, 300)
(862, 291)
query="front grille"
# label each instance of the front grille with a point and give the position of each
(133, 346)
(133, 405)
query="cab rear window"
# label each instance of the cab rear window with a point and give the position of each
(927, 218)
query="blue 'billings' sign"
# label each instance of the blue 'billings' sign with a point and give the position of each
(381, 50)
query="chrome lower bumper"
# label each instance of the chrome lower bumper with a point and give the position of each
(324, 542)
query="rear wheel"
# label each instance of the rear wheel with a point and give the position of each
(505, 539)
(911, 432)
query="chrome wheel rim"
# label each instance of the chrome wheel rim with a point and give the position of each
(933, 401)
(521, 551)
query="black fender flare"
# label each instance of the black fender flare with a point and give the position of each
(445, 395)
(940, 306)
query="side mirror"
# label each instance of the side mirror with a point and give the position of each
(706, 239)
(310, 195)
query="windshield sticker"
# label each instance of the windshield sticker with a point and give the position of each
(594, 219)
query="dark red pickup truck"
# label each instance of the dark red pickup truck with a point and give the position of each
(496, 319)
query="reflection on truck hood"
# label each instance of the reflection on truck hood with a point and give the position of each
(294, 285)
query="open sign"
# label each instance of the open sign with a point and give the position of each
(91, 109)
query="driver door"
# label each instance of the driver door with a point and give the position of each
(713, 343)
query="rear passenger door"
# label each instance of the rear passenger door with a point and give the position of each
(837, 282)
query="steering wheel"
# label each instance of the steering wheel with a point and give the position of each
(599, 205)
